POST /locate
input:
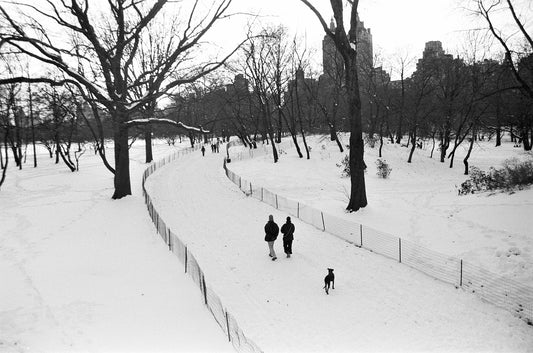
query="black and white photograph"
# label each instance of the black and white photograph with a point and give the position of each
(285, 176)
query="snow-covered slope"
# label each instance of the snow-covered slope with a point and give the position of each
(418, 202)
(80, 272)
(377, 305)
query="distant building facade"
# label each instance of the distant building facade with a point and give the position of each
(432, 53)
(332, 62)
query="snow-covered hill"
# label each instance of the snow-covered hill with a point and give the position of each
(83, 273)
(418, 202)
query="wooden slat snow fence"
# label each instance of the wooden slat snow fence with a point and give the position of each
(225, 319)
(490, 287)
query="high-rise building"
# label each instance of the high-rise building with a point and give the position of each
(332, 62)
(433, 51)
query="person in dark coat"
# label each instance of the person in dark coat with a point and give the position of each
(203, 150)
(271, 234)
(288, 236)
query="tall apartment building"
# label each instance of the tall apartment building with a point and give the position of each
(432, 51)
(332, 63)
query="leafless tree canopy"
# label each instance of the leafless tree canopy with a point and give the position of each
(121, 54)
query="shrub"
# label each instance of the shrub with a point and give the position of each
(383, 168)
(345, 165)
(515, 174)
(519, 173)
(370, 141)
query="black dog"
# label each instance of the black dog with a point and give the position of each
(330, 278)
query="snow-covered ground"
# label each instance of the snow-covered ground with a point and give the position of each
(80, 272)
(377, 305)
(83, 273)
(418, 202)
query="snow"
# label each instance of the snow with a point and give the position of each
(376, 306)
(418, 202)
(179, 123)
(83, 273)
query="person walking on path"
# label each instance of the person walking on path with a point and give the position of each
(288, 236)
(271, 234)
(203, 150)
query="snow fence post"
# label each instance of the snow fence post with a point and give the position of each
(169, 241)
(185, 259)
(323, 224)
(276, 201)
(204, 289)
(298, 210)
(227, 325)
(261, 194)
(361, 233)
(400, 250)
(251, 191)
(461, 274)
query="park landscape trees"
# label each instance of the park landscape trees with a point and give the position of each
(346, 44)
(118, 70)
(98, 52)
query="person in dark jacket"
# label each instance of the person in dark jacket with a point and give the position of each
(203, 150)
(271, 234)
(288, 236)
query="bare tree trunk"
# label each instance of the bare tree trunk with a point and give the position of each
(18, 137)
(445, 142)
(32, 126)
(267, 123)
(148, 143)
(122, 161)
(4, 165)
(399, 132)
(413, 145)
(191, 138)
(526, 142)
(380, 138)
(67, 161)
(433, 146)
(470, 147)
(498, 124)
(334, 137)
(357, 166)
(458, 140)
(346, 45)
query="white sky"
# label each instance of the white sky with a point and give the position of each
(398, 27)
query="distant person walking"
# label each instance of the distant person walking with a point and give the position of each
(271, 234)
(288, 236)
(203, 150)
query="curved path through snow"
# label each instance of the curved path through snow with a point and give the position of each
(377, 304)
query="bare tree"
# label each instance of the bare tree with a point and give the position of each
(487, 9)
(101, 56)
(261, 69)
(404, 60)
(346, 44)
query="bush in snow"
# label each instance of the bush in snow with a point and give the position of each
(345, 165)
(383, 168)
(370, 141)
(515, 174)
(518, 173)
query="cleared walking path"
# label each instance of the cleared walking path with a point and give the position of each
(377, 305)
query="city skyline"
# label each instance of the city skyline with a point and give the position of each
(398, 29)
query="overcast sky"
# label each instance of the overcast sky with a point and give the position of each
(398, 26)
